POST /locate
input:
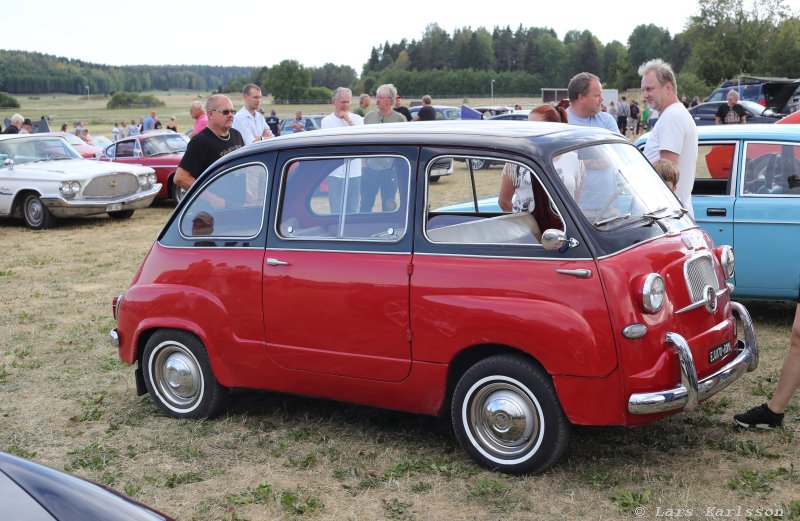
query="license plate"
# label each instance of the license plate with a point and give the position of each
(719, 352)
(114, 207)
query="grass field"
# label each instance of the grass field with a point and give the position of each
(68, 402)
(64, 108)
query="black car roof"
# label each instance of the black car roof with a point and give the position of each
(534, 136)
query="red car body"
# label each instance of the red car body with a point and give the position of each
(161, 150)
(791, 118)
(406, 308)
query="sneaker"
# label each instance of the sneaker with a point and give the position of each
(759, 418)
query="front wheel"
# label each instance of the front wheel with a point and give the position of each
(121, 215)
(179, 377)
(36, 214)
(507, 417)
(176, 192)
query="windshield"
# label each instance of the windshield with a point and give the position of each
(163, 144)
(32, 149)
(615, 186)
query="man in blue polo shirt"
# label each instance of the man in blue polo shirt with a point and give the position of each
(586, 101)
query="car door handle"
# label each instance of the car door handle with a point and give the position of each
(581, 274)
(275, 262)
(716, 212)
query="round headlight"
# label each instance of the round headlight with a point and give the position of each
(151, 178)
(727, 261)
(653, 293)
(69, 188)
(143, 181)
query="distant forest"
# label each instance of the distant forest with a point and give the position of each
(726, 38)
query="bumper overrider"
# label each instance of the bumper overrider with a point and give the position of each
(61, 207)
(691, 391)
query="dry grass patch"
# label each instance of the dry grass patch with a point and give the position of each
(68, 402)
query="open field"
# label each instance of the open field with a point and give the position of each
(68, 402)
(68, 108)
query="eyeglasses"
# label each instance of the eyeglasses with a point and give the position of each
(225, 112)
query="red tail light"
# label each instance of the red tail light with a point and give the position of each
(115, 305)
(762, 102)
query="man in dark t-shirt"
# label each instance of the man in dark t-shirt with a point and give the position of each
(210, 144)
(398, 107)
(427, 112)
(274, 123)
(731, 113)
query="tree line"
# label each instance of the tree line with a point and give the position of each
(724, 39)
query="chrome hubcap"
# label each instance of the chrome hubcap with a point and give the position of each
(504, 419)
(34, 211)
(177, 376)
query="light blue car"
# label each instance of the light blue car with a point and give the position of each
(747, 194)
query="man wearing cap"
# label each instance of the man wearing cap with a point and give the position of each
(16, 124)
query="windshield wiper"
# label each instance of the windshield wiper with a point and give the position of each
(609, 220)
(676, 213)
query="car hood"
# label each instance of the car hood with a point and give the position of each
(82, 168)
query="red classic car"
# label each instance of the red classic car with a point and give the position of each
(600, 302)
(161, 150)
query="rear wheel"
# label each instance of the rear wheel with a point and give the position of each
(176, 192)
(121, 214)
(36, 214)
(179, 377)
(507, 417)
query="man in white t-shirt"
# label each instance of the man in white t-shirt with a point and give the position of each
(586, 103)
(342, 117)
(674, 138)
(248, 120)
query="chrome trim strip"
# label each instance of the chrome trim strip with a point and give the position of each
(701, 303)
(690, 391)
(553, 259)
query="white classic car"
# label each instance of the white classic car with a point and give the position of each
(43, 177)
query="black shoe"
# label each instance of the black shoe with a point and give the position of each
(759, 418)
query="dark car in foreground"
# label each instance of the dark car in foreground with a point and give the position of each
(747, 194)
(33, 492)
(602, 303)
(706, 113)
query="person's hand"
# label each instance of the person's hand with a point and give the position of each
(345, 116)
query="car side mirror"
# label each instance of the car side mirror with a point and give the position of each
(553, 240)
(8, 163)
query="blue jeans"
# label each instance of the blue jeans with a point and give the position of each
(335, 189)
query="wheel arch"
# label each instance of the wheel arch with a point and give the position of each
(19, 197)
(468, 357)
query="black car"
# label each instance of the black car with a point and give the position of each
(34, 492)
(706, 113)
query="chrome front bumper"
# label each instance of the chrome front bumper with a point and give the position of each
(61, 207)
(113, 337)
(691, 391)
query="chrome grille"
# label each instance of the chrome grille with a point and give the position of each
(699, 274)
(112, 185)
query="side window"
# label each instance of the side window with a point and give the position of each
(125, 148)
(474, 200)
(230, 205)
(772, 169)
(353, 198)
(714, 169)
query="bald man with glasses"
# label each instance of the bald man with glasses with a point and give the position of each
(216, 140)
